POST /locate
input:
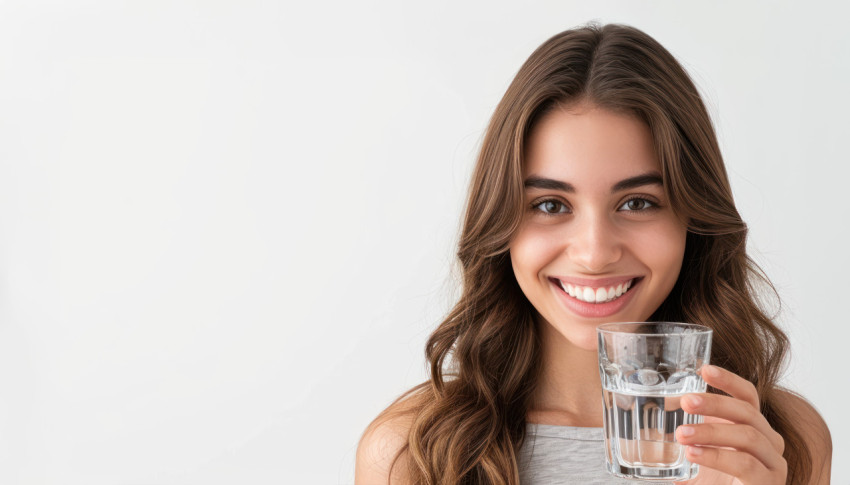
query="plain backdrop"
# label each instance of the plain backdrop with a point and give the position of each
(228, 227)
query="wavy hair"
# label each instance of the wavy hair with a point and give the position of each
(468, 420)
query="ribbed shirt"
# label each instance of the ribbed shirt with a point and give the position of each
(562, 455)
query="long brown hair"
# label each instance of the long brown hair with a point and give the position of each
(469, 419)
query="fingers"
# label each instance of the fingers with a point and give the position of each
(733, 410)
(741, 407)
(745, 467)
(743, 438)
(731, 383)
(744, 445)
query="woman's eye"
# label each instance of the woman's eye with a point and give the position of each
(550, 207)
(637, 205)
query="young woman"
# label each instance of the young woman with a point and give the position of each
(599, 195)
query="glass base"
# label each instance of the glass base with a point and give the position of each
(685, 472)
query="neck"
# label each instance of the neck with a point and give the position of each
(569, 392)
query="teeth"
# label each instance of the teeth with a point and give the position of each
(598, 295)
(601, 295)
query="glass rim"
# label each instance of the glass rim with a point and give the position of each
(610, 328)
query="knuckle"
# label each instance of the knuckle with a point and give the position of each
(751, 434)
(753, 393)
(750, 462)
(780, 442)
(741, 466)
(753, 413)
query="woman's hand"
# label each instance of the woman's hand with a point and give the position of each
(738, 442)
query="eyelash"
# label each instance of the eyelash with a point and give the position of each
(536, 207)
(652, 206)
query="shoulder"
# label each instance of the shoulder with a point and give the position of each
(381, 457)
(814, 429)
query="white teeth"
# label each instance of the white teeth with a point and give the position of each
(568, 289)
(601, 295)
(598, 295)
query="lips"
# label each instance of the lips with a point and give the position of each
(596, 298)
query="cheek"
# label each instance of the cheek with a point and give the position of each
(665, 249)
(531, 250)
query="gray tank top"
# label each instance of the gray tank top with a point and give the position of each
(562, 455)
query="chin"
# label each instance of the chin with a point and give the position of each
(586, 343)
(583, 339)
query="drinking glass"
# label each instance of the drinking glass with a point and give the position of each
(645, 369)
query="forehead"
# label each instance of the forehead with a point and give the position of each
(586, 144)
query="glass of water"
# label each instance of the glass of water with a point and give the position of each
(645, 369)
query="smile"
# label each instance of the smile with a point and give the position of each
(604, 294)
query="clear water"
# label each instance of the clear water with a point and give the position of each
(642, 411)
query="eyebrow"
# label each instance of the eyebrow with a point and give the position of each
(652, 178)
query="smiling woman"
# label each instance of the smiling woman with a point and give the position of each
(612, 225)
(599, 195)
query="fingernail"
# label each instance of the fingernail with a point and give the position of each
(694, 400)
(686, 431)
(711, 371)
(695, 450)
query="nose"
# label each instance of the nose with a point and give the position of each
(594, 243)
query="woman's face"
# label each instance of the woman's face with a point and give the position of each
(599, 241)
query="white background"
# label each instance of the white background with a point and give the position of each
(228, 227)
